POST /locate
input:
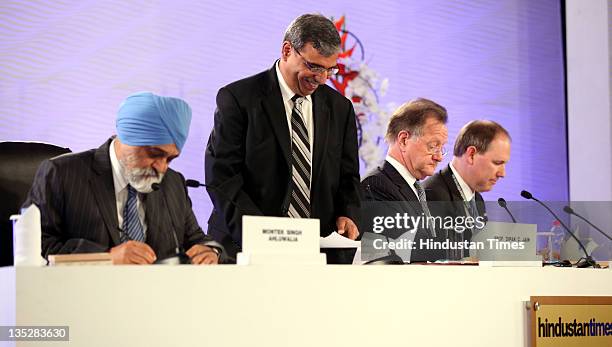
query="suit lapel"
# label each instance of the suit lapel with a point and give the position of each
(410, 200)
(447, 175)
(154, 216)
(162, 218)
(275, 110)
(456, 197)
(397, 179)
(104, 191)
(480, 205)
(321, 118)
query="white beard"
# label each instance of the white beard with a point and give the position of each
(141, 179)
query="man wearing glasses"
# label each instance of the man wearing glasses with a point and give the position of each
(481, 152)
(284, 143)
(416, 136)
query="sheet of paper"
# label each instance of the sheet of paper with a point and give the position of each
(335, 240)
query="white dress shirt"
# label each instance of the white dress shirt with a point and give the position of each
(121, 191)
(404, 172)
(468, 193)
(287, 94)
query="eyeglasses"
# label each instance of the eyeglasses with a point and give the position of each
(319, 70)
(433, 148)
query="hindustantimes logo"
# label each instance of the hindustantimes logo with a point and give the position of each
(562, 328)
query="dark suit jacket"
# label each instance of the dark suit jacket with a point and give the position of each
(387, 186)
(248, 157)
(441, 187)
(76, 198)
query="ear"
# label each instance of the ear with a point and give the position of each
(118, 148)
(285, 50)
(470, 152)
(402, 138)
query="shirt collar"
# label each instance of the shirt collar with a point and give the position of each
(468, 193)
(402, 170)
(286, 92)
(119, 179)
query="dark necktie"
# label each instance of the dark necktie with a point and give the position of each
(299, 203)
(473, 208)
(131, 223)
(423, 201)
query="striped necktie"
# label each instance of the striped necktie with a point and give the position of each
(423, 201)
(132, 229)
(299, 203)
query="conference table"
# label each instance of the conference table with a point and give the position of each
(287, 305)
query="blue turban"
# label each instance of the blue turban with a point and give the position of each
(146, 119)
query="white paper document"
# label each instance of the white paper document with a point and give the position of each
(335, 240)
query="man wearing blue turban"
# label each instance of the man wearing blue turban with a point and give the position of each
(123, 198)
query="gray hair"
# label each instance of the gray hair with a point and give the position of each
(316, 29)
(412, 116)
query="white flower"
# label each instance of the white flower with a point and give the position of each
(372, 117)
(384, 85)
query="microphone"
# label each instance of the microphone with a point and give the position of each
(504, 205)
(569, 210)
(231, 247)
(180, 257)
(193, 184)
(196, 184)
(588, 261)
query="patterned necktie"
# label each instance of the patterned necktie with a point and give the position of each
(132, 229)
(299, 204)
(423, 201)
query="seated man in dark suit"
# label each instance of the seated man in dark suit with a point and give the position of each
(481, 152)
(416, 135)
(122, 198)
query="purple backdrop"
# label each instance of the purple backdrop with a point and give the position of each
(65, 68)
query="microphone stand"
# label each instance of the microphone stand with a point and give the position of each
(588, 260)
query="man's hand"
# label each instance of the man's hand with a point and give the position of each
(133, 252)
(201, 254)
(347, 227)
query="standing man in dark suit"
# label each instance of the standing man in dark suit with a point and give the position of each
(481, 152)
(122, 198)
(284, 143)
(416, 135)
